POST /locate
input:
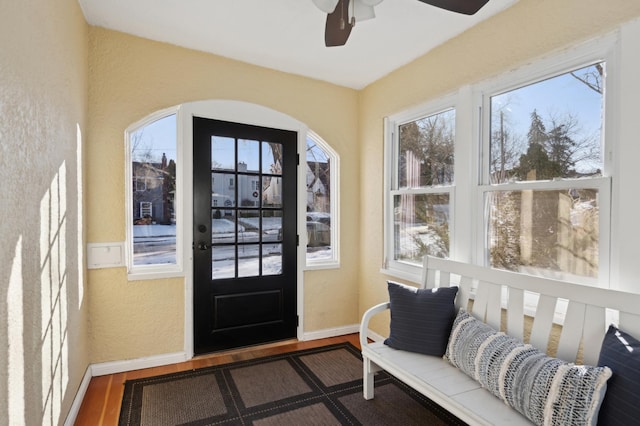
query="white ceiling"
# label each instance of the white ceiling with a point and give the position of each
(288, 35)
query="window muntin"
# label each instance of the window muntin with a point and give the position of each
(544, 181)
(152, 149)
(322, 164)
(420, 199)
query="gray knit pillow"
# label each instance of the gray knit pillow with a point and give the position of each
(546, 390)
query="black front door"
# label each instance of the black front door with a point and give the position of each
(244, 180)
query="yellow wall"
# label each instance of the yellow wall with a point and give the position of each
(133, 77)
(519, 35)
(43, 297)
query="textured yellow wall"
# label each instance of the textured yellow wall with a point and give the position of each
(133, 77)
(44, 341)
(529, 29)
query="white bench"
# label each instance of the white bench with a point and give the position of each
(587, 314)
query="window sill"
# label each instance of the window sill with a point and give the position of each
(404, 275)
(155, 274)
(322, 265)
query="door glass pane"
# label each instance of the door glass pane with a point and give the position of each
(536, 231)
(271, 259)
(421, 226)
(272, 225)
(249, 190)
(223, 226)
(248, 226)
(223, 153)
(272, 158)
(248, 260)
(272, 192)
(223, 262)
(223, 190)
(425, 151)
(549, 129)
(248, 156)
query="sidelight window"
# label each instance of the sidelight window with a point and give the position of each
(322, 164)
(151, 196)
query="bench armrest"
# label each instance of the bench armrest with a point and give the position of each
(364, 324)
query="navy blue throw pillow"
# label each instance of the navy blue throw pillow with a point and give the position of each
(621, 353)
(421, 319)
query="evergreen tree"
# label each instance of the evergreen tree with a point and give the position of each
(537, 134)
(561, 149)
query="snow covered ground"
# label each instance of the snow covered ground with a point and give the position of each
(156, 244)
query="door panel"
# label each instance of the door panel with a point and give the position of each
(244, 234)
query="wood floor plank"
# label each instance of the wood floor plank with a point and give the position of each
(103, 399)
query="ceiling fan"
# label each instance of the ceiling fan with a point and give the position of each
(343, 14)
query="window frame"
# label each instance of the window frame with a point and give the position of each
(157, 270)
(391, 266)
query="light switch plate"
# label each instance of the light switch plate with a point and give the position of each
(105, 255)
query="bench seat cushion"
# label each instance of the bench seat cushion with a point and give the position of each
(546, 390)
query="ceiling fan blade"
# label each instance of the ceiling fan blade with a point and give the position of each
(467, 7)
(338, 27)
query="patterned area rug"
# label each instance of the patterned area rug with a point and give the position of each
(321, 386)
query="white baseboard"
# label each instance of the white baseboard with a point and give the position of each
(77, 400)
(331, 332)
(113, 367)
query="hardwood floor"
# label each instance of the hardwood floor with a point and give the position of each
(101, 404)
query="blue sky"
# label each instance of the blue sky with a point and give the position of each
(555, 97)
(559, 95)
(159, 137)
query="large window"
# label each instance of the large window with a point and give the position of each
(420, 198)
(543, 183)
(533, 172)
(151, 204)
(322, 203)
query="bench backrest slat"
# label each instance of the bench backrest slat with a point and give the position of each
(543, 321)
(515, 313)
(464, 292)
(494, 305)
(479, 308)
(595, 323)
(571, 331)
